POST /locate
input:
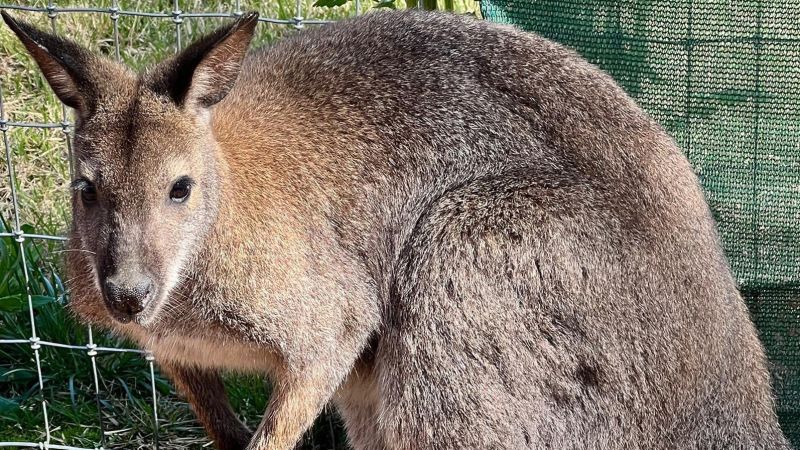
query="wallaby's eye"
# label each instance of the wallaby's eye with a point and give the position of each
(87, 191)
(89, 194)
(181, 189)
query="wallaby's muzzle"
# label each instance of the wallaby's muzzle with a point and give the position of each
(130, 274)
(127, 296)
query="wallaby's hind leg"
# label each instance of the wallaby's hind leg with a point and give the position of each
(206, 394)
(443, 389)
(525, 316)
(463, 362)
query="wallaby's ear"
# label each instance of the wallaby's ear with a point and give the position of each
(66, 65)
(203, 73)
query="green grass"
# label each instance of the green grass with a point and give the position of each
(124, 406)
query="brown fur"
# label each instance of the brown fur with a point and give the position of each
(463, 235)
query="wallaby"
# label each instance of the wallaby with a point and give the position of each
(463, 235)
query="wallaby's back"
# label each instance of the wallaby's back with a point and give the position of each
(548, 271)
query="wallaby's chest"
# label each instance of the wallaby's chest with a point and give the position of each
(191, 351)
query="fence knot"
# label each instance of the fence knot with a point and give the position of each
(3, 125)
(19, 235)
(52, 12)
(177, 16)
(35, 345)
(65, 126)
(297, 21)
(149, 357)
(92, 349)
(114, 12)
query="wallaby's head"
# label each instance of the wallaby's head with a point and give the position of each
(145, 183)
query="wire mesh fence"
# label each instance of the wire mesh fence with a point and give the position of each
(115, 12)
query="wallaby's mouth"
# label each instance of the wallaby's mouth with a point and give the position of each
(149, 314)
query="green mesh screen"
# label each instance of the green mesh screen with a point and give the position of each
(723, 76)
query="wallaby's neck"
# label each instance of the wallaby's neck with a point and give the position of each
(292, 187)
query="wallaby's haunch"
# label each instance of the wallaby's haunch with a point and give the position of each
(463, 235)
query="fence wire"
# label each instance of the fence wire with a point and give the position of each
(91, 350)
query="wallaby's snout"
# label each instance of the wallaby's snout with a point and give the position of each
(129, 264)
(128, 294)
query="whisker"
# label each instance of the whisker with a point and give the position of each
(79, 277)
(75, 250)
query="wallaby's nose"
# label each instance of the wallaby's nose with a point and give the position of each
(127, 297)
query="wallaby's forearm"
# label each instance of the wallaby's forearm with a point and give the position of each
(292, 409)
(206, 393)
